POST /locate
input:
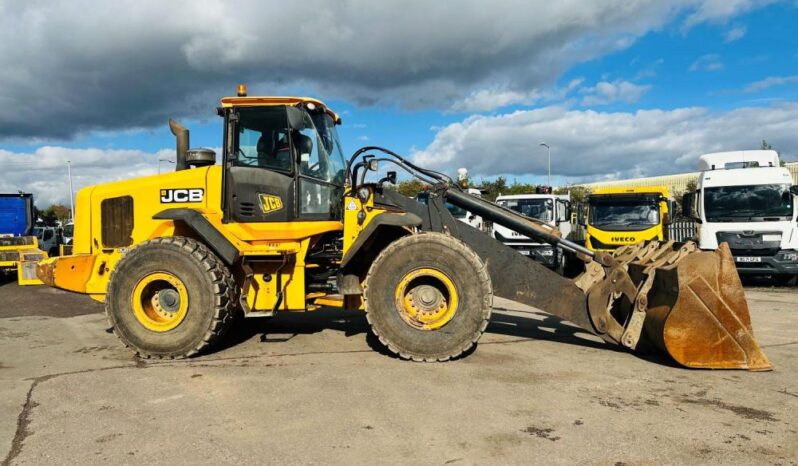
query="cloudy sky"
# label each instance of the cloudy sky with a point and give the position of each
(617, 88)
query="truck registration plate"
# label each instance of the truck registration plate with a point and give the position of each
(748, 259)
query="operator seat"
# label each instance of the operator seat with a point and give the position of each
(273, 151)
(265, 149)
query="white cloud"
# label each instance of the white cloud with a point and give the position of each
(44, 172)
(722, 10)
(71, 66)
(770, 82)
(735, 33)
(489, 99)
(588, 145)
(709, 62)
(616, 91)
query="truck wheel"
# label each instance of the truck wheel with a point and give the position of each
(786, 280)
(428, 297)
(170, 298)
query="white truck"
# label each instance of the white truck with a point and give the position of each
(554, 209)
(460, 214)
(746, 199)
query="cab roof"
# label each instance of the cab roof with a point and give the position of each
(273, 101)
(663, 190)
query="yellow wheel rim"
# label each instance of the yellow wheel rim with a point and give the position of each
(160, 301)
(426, 299)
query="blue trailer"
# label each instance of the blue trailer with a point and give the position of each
(19, 248)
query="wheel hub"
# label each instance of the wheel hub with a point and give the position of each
(160, 301)
(426, 299)
(168, 300)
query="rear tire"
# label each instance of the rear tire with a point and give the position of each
(449, 291)
(170, 298)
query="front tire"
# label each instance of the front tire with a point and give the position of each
(170, 298)
(428, 297)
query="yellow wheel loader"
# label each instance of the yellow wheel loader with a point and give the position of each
(286, 223)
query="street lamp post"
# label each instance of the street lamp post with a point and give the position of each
(71, 192)
(163, 160)
(548, 151)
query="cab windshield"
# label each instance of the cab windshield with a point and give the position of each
(624, 215)
(754, 203)
(541, 209)
(330, 147)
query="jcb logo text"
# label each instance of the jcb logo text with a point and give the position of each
(270, 203)
(170, 196)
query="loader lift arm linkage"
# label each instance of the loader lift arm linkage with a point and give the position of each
(671, 296)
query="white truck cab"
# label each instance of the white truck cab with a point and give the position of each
(554, 209)
(746, 199)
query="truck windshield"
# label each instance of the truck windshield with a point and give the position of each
(748, 203)
(624, 215)
(541, 209)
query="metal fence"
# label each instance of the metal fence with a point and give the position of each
(682, 230)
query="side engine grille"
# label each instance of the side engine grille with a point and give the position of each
(246, 209)
(117, 222)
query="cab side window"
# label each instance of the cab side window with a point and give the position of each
(263, 141)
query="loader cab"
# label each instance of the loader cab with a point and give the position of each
(282, 161)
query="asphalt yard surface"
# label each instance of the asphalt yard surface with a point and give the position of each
(316, 388)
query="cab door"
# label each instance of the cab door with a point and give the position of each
(260, 166)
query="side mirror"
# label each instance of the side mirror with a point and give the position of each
(667, 219)
(580, 215)
(794, 190)
(391, 177)
(687, 205)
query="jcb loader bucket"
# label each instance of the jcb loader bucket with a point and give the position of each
(691, 305)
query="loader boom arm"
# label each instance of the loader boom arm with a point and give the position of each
(686, 302)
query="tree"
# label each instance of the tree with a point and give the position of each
(410, 188)
(678, 196)
(578, 193)
(766, 146)
(495, 188)
(55, 213)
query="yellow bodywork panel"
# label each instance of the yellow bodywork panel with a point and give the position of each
(353, 226)
(88, 270)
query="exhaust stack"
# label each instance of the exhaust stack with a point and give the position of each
(181, 141)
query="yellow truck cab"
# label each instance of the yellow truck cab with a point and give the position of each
(616, 217)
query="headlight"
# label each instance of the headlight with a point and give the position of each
(789, 256)
(363, 193)
(546, 252)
